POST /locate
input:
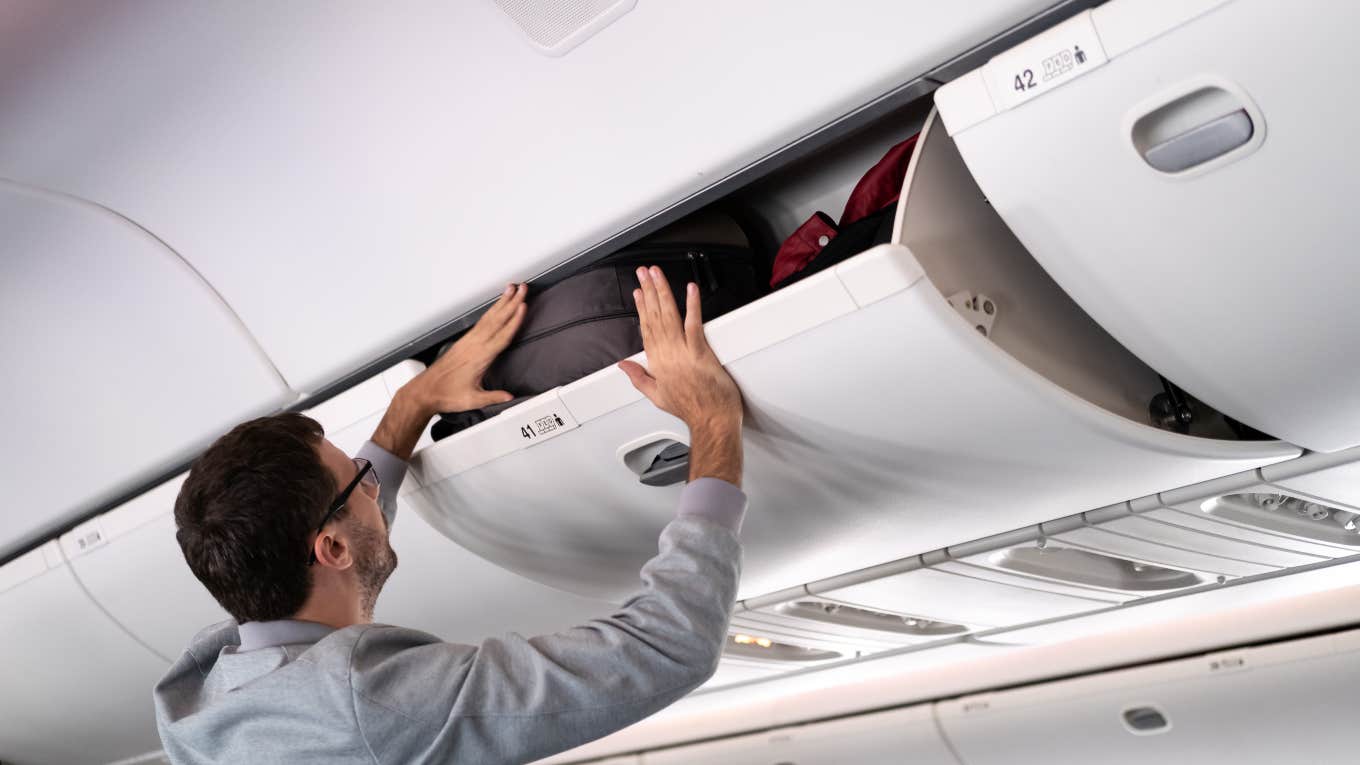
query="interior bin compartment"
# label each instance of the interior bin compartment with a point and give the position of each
(1186, 189)
(1218, 708)
(948, 596)
(882, 738)
(882, 422)
(1246, 508)
(77, 687)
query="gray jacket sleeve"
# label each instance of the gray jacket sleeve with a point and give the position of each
(514, 700)
(391, 472)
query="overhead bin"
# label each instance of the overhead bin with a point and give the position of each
(122, 360)
(76, 686)
(883, 738)
(1258, 706)
(1186, 189)
(881, 422)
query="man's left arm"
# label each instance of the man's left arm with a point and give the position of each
(453, 383)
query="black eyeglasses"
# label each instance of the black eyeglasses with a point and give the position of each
(365, 475)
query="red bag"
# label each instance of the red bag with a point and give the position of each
(881, 187)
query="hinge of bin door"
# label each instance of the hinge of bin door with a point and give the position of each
(979, 310)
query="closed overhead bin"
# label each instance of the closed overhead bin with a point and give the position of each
(1183, 170)
(883, 738)
(1259, 706)
(123, 361)
(924, 393)
(76, 686)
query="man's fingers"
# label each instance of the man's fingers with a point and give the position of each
(648, 308)
(638, 376)
(666, 310)
(506, 332)
(484, 398)
(644, 326)
(694, 317)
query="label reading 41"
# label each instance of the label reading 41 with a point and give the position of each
(542, 426)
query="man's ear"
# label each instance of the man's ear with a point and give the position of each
(333, 549)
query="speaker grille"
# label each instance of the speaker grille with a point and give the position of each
(557, 26)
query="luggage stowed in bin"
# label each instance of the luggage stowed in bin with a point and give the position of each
(588, 320)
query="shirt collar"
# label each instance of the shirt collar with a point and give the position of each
(281, 632)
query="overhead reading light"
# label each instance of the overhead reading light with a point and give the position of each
(1284, 514)
(763, 648)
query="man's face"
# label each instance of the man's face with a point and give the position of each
(364, 528)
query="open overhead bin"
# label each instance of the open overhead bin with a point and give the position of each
(76, 686)
(1191, 193)
(881, 423)
(120, 360)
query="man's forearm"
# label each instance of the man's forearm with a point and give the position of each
(715, 451)
(402, 424)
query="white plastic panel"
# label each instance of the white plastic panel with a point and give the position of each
(1136, 549)
(953, 597)
(403, 183)
(1227, 232)
(1337, 485)
(1255, 706)
(915, 433)
(1154, 530)
(101, 317)
(895, 737)
(77, 689)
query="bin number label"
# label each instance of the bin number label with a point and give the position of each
(1052, 58)
(542, 426)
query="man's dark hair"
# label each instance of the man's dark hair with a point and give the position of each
(247, 512)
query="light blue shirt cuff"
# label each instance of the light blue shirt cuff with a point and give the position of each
(391, 472)
(714, 500)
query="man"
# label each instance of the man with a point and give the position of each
(290, 535)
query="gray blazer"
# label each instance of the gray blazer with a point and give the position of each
(298, 692)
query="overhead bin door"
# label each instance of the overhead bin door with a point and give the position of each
(897, 737)
(1191, 192)
(1253, 707)
(75, 687)
(120, 360)
(882, 423)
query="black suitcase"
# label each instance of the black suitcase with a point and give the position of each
(588, 320)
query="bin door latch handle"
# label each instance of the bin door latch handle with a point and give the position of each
(1200, 144)
(659, 459)
(1194, 125)
(670, 466)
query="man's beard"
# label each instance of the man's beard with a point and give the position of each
(374, 563)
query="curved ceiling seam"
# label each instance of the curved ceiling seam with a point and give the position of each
(254, 341)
